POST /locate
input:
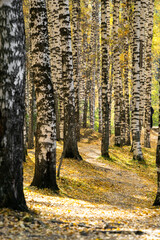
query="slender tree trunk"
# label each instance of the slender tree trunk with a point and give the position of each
(76, 62)
(92, 102)
(116, 72)
(45, 150)
(122, 118)
(85, 110)
(157, 199)
(98, 64)
(86, 23)
(130, 45)
(30, 116)
(87, 91)
(126, 74)
(12, 92)
(94, 31)
(148, 76)
(100, 105)
(137, 151)
(70, 148)
(105, 81)
(143, 37)
(26, 8)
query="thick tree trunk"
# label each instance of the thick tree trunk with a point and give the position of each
(45, 150)
(55, 56)
(70, 147)
(12, 92)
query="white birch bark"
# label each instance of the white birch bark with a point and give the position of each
(12, 104)
(157, 199)
(56, 63)
(137, 151)
(45, 149)
(147, 123)
(70, 148)
(105, 82)
(116, 73)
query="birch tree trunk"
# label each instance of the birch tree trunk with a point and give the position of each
(143, 38)
(105, 81)
(12, 92)
(70, 148)
(126, 73)
(55, 56)
(94, 31)
(30, 115)
(76, 59)
(116, 72)
(148, 76)
(130, 19)
(157, 199)
(45, 149)
(137, 151)
(98, 65)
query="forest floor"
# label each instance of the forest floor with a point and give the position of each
(98, 199)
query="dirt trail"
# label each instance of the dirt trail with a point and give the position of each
(126, 211)
(129, 188)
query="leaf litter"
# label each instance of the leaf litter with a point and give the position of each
(98, 198)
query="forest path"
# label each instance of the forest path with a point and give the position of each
(128, 189)
(98, 199)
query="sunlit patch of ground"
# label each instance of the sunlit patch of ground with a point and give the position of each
(110, 195)
(98, 198)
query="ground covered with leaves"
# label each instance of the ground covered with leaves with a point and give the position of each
(98, 198)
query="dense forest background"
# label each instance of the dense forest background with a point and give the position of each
(80, 111)
(86, 22)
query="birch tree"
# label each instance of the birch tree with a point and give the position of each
(137, 151)
(30, 114)
(76, 58)
(70, 148)
(157, 199)
(105, 81)
(148, 75)
(45, 149)
(56, 62)
(125, 15)
(116, 73)
(12, 92)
